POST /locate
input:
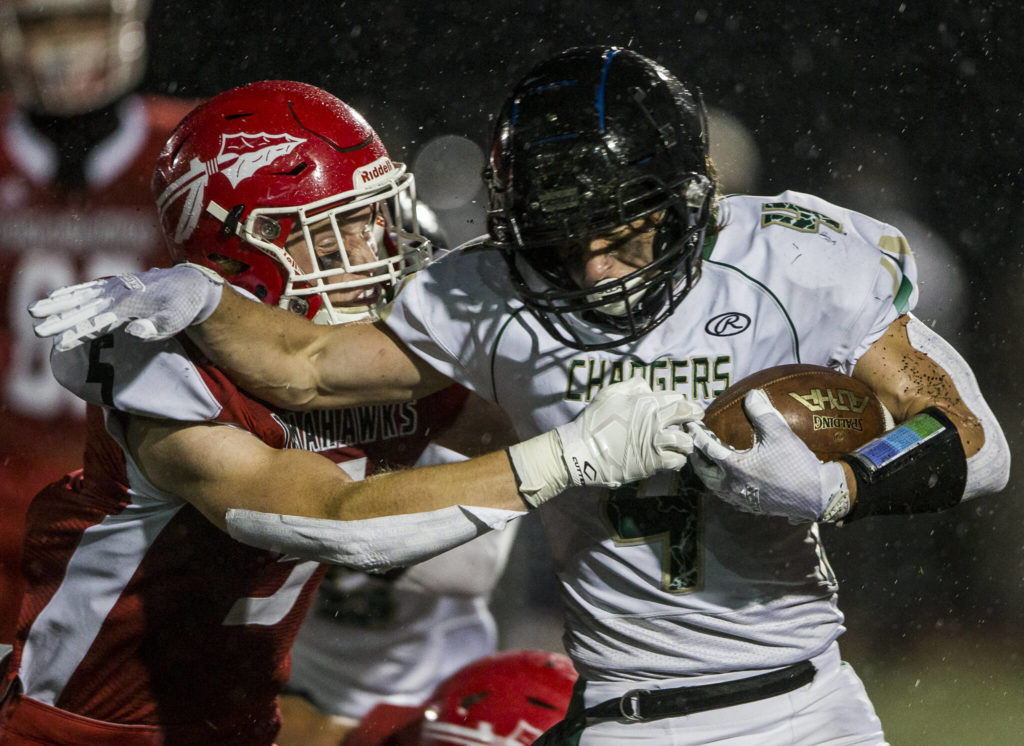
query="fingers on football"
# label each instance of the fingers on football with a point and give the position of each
(765, 418)
(707, 442)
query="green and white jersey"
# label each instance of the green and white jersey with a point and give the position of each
(658, 581)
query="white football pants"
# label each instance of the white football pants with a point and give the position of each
(833, 709)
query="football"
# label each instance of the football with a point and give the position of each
(831, 412)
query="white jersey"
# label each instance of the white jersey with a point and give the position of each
(661, 582)
(373, 641)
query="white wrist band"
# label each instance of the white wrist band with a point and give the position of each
(539, 468)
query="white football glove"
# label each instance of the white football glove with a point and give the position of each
(156, 305)
(779, 475)
(626, 433)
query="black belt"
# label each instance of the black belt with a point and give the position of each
(642, 705)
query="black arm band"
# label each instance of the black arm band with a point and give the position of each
(918, 467)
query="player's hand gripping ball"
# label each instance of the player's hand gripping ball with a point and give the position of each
(769, 443)
(832, 413)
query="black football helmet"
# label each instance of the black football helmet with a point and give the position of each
(590, 140)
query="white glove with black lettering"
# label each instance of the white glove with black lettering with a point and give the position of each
(626, 433)
(156, 305)
(779, 475)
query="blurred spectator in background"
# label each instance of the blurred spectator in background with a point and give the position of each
(77, 149)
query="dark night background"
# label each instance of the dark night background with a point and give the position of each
(881, 106)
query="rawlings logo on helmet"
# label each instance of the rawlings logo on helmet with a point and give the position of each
(241, 155)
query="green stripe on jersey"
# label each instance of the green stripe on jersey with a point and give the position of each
(902, 299)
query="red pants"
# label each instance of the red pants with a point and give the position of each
(25, 722)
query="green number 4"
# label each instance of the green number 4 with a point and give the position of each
(664, 511)
(796, 217)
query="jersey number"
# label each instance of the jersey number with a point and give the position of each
(99, 371)
(664, 510)
(269, 610)
(796, 217)
(29, 388)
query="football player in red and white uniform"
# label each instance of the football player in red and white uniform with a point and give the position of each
(76, 155)
(145, 620)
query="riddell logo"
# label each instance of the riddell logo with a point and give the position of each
(372, 172)
(241, 155)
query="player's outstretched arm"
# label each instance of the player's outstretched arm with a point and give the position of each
(300, 502)
(279, 356)
(220, 467)
(285, 359)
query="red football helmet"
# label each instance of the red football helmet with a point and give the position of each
(287, 192)
(507, 699)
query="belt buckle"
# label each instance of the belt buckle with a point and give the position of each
(629, 704)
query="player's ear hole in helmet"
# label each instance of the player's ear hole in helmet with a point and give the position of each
(592, 142)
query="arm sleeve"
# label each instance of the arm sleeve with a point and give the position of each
(370, 545)
(893, 293)
(989, 469)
